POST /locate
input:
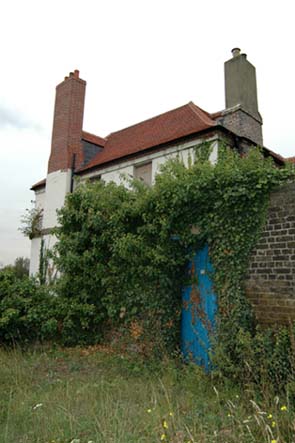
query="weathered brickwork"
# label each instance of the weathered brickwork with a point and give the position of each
(271, 282)
(242, 123)
(67, 124)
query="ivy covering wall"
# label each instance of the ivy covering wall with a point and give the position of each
(123, 252)
(123, 255)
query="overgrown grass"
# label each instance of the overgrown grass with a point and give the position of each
(83, 395)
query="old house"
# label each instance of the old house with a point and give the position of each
(139, 150)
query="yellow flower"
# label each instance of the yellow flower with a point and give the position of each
(229, 415)
(284, 408)
(171, 414)
(165, 424)
(273, 424)
(149, 411)
(273, 441)
(163, 437)
(269, 416)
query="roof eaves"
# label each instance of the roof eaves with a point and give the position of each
(39, 185)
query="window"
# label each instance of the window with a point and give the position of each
(144, 173)
(95, 178)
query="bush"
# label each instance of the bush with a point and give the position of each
(27, 310)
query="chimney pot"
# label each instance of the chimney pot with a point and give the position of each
(71, 74)
(236, 52)
(76, 73)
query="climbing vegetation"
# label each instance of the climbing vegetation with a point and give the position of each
(123, 251)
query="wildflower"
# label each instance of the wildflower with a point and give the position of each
(171, 414)
(163, 437)
(269, 416)
(165, 424)
(149, 411)
(273, 424)
(38, 405)
(229, 415)
(273, 441)
(283, 408)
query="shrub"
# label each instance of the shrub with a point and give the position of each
(26, 310)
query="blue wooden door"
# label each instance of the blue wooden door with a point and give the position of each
(198, 311)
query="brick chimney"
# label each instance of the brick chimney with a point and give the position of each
(67, 124)
(241, 114)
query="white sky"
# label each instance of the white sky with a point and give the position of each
(139, 58)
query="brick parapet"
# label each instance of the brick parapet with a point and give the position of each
(270, 284)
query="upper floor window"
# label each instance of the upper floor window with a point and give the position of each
(144, 173)
(95, 178)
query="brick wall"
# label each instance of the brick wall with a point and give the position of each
(271, 282)
(242, 123)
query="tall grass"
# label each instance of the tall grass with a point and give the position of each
(77, 395)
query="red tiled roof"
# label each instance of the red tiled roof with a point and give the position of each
(290, 159)
(39, 184)
(171, 125)
(91, 138)
(277, 157)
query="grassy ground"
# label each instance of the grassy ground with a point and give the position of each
(91, 395)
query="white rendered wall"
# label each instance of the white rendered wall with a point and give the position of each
(119, 175)
(183, 151)
(49, 242)
(58, 184)
(40, 198)
(51, 198)
(35, 255)
(36, 242)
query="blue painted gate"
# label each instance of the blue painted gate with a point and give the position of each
(199, 308)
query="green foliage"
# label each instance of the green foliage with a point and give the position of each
(123, 252)
(31, 223)
(20, 267)
(26, 310)
(118, 259)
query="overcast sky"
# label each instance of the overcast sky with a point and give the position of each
(140, 58)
